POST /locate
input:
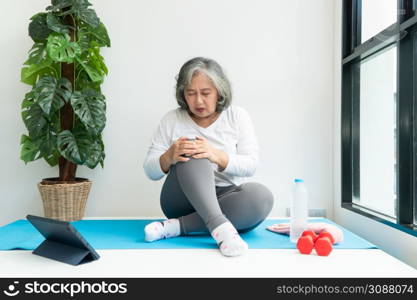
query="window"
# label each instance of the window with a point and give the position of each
(379, 110)
(377, 132)
(376, 16)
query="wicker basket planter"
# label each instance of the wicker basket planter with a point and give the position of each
(64, 200)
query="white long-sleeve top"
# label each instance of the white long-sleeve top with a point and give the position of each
(232, 132)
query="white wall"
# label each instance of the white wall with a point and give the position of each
(277, 54)
(395, 242)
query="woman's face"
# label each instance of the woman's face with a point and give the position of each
(201, 96)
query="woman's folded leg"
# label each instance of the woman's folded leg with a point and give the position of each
(190, 198)
(196, 179)
(189, 187)
(245, 207)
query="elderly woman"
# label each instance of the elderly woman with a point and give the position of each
(206, 147)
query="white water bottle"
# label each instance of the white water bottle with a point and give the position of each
(299, 210)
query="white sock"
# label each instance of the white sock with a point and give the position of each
(229, 240)
(156, 231)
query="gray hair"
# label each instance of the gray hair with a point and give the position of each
(212, 70)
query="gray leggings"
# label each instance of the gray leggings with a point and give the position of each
(189, 194)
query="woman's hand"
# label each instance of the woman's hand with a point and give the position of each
(203, 149)
(180, 147)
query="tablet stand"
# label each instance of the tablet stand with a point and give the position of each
(63, 253)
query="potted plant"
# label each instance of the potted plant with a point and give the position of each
(65, 112)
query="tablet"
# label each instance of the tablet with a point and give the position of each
(62, 241)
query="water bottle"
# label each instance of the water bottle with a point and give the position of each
(299, 210)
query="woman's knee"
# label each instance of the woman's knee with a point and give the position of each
(261, 198)
(192, 164)
(194, 161)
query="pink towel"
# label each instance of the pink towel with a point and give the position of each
(336, 232)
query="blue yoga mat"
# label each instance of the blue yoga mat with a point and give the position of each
(128, 234)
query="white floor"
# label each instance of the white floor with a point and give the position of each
(210, 263)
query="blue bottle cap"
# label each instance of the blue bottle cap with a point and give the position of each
(298, 180)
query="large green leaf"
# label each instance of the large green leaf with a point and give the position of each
(83, 80)
(101, 35)
(32, 73)
(95, 155)
(61, 49)
(93, 63)
(42, 132)
(38, 64)
(53, 158)
(54, 23)
(29, 99)
(57, 5)
(90, 107)
(95, 75)
(37, 54)
(43, 145)
(38, 28)
(80, 147)
(34, 118)
(47, 143)
(80, 8)
(29, 151)
(96, 59)
(74, 146)
(87, 33)
(52, 93)
(89, 16)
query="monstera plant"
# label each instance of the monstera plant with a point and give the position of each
(65, 111)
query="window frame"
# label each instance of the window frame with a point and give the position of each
(404, 35)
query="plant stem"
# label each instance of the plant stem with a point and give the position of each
(67, 169)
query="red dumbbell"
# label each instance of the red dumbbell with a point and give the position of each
(305, 243)
(324, 243)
